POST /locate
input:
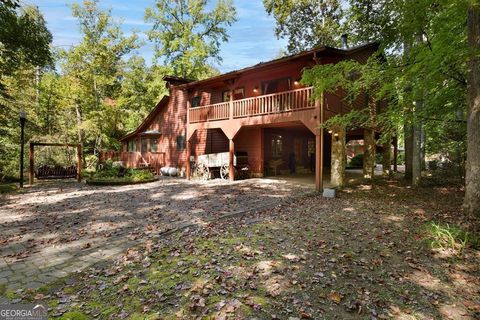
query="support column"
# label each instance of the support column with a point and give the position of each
(189, 167)
(395, 154)
(31, 164)
(79, 163)
(231, 171)
(338, 157)
(319, 161)
(368, 153)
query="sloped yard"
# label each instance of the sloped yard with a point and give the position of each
(375, 252)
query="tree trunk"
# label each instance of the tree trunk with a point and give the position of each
(417, 148)
(80, 132)
(423, 141)
(408, 135)
(338, 157)
(368, 153)
(387, 158)
(472, 178)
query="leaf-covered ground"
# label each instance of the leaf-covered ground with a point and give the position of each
(362, 255)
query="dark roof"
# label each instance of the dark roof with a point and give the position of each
(150, 117)
(317, 50)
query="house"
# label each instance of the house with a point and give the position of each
(263, 111)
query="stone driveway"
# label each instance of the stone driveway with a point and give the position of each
(56, 228)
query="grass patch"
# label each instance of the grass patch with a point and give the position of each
(449, 237)
(8, 187)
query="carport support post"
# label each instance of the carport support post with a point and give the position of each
(231, 171)
(31, 158)
(189, 168)
(319, 161)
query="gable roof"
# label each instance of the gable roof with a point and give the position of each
(314, 51)
(162, 103)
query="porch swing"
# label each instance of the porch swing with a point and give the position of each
(54, 163)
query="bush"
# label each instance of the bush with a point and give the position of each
(119, 175)
(357, 161)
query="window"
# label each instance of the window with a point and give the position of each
(276, 145)
(131, 146)
(238, 94)
(195, 102)
(180, 142)
(276, 85)
(226, 96)
(154, 145)
(144, 144)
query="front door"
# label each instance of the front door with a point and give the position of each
(298, 149)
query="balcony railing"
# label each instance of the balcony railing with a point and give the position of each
(286, 101)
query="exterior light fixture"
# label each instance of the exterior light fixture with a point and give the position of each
(336, 134)
(330, 131)
(295, 83)
(255, 89)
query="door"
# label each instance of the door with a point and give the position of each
(298, 149)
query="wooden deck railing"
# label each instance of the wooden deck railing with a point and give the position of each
(218, 111)
(286, 101)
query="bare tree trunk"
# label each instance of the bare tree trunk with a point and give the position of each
(338, 157)
(80, 132)
(368, 153)
(387, 158)
(423, 140)
(408, 137)
(417, 148)
(472, 179)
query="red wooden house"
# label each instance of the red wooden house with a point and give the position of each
(262, 110)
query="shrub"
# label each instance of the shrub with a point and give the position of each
(119, 175)
(357, 161)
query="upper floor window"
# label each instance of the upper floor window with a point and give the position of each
(195, 101)
(276, 85)
(238, 94)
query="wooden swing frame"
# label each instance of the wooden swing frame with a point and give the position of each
(31, 175)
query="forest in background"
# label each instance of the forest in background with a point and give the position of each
(96, 91)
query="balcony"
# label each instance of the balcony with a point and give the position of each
(275, 103)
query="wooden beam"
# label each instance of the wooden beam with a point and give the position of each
(231, 172)
(189, 167)
(319, 150)
(31, 176)
(54, 144)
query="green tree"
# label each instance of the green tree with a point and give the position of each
(24, 39)
(93, 72)
(306, 23)
(187, 37)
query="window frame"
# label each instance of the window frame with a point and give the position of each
(277, 146)
(153, 144)
(142, 140)
(195, 98)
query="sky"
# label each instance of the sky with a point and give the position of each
(252, 39)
